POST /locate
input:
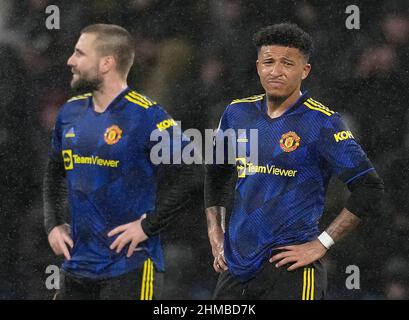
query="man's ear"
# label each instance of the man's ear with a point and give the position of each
(306, 71)
(107, 63)
(257, 66)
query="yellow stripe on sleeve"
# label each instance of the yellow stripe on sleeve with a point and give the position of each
(318, 109)
(144, 105)
(249, 99)
(320, 105)
(317, 103)
(83, 96)
(140, 97)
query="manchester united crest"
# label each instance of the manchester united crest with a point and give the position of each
(113, 134)
(289, 141)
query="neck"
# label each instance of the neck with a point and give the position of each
(107, 93)
(276, 106)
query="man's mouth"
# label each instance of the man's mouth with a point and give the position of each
(276, 82)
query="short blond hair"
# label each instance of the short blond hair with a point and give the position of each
(114, 40)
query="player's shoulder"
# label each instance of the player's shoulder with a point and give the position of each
(244, 104)
(73, 104)
(247, 101)
(77, 99)
(140, 101)
(318, 109)
(149, 109)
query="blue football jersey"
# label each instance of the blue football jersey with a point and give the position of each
(111, 179)
(280, 198)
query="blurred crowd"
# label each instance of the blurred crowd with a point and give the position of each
(194, 57)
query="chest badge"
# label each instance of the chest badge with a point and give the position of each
(289, 141)
(113, 134)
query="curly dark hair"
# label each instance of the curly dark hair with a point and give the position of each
(284, 34)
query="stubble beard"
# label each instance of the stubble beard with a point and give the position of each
(84, 84)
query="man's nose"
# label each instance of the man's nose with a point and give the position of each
(276, 70)
(70, 61)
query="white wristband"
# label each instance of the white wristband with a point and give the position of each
(326, 240)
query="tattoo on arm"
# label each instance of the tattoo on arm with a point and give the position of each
(342, 224)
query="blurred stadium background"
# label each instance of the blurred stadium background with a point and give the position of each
(194, 57)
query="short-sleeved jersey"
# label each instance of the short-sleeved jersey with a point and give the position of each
(279, 200)
(111, 179)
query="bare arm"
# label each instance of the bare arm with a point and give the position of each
(345, 222)
(216, 217)
(219, 189)
(306, 253)
(366, 193)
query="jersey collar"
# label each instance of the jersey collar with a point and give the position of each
(114, 103)
(304, 96)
